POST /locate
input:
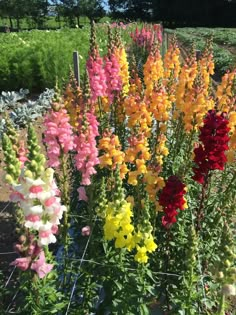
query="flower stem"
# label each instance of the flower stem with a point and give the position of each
(222, 305)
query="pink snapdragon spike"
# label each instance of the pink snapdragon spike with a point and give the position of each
(58, 135)
(113, 79)
(33, 256)
(87, 153)
(40, 266)
(147, 36)
(97, 77)
(119, 25)
(82, 193)
(22, 263)
(158, 29)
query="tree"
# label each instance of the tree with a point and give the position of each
(37, 11)
(74, 9)
(19, 9)
(93, 9)
(70, 10)
(13, 9)
(131, 9)
(58, 9)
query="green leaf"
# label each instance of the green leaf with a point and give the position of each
(143, 309)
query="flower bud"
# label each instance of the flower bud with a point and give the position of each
(28, 174)
(22, 239)
(220, 275)
(227, 263)
(229, 290)
(34, 164)
(86, 230)
(9, 179)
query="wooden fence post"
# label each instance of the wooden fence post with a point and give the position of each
(76, 66)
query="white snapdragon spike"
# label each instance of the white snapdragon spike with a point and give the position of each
(36, 209)
(33, 222)
(57, 215)
(40, 203)
(46, 234)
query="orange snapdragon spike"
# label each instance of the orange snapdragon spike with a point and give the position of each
(160, 104)
(137, 155)
(138, 114)
(226, 98)
(73, 102)
(153, 71)
(226, 102)
(192, 93)
(111, 153)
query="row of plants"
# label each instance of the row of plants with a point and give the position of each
(132, 207)
(222, 36)
(37, 60)
(224, 59)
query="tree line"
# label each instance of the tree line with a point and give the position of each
(172, 13)
(36, 12)
(175, 13)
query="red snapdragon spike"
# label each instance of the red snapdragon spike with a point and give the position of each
(171, 199)
(210, 155)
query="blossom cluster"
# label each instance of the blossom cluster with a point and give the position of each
(32, 256)
(58, 135)
(39, 199)
(171, 199)
(137, 154)
(210, 155)
(86, 147)
(111, 154)
(147, 36)
(153, 71)
(113, 78)
(118, 226)
(97, 76)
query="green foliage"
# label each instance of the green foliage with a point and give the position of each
(39, 59)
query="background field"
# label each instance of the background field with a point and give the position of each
(38, 59)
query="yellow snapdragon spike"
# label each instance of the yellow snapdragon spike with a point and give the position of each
(121, 56)
(141, 255)
(110, 227)
(172, 70)
(120, 241)
(150, 244)
(130, 242)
